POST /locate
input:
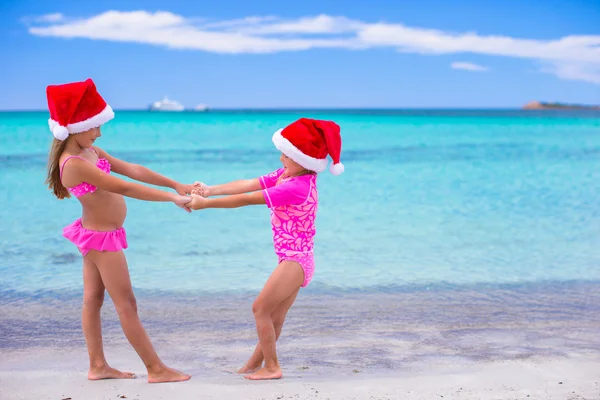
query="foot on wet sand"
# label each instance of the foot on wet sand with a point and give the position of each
(264, 373)
(248, 369)
(106, 372)
(167, 375)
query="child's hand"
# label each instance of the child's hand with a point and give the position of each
(197, 203)
(182, 201)
(202, 189)
(184, 189)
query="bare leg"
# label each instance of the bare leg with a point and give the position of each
(278, 316)
(115, 276)
(285, 280)
(93, 297)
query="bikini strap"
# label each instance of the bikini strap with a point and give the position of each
(64, 162)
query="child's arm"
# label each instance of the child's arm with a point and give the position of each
(235, 187)
(293, 192)
(79, 170)
(234, 201)
(238, 187)
(143, 174)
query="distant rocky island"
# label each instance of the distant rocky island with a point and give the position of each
(538, 105)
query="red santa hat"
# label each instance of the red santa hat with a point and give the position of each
(76, 107)
(309, 141)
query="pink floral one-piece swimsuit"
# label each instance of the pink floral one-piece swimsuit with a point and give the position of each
(293, 204)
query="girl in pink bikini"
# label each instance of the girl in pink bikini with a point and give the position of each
(291, 194)
(75, 166)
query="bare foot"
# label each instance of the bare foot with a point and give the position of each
(248, 369)
(167, 375)
(264, 373)
(106, 372)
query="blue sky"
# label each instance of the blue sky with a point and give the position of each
(351, 53)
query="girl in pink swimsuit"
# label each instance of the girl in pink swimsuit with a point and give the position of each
(291, 194)
(75, 166)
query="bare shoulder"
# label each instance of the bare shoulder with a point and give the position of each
(101, 153)
(71, 169)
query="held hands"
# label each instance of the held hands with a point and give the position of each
(198, 188)
(192, 197)
(183, 189)
(198, 202)
(182, 201)
(201, 189)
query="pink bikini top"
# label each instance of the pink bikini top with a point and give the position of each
(84, 187)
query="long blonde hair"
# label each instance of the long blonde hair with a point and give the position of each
(53, 178)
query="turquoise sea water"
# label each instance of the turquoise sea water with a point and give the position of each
(494, 213)
(428, 198)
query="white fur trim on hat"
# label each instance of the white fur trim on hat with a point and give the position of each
(287, 148)
(99, 119)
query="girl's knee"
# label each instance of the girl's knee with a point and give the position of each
(93, 300)
(126, 305)
(260, 308)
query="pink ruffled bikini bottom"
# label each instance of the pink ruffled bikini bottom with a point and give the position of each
(87, 240)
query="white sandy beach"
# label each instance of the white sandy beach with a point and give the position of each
(544, 379)
(376, 348)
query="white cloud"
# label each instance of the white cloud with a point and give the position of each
(467, 66)
(233, 23)
(54, 17)
(587, 72)
(173, 31)
(47, 18)
(321, 24)
(570, 57)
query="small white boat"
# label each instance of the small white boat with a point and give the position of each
(166, 105)
(201, 107)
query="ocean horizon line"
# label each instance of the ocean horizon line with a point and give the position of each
(267, 109)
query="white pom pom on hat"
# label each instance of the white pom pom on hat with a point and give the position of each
(60, 132)
(336, 169)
